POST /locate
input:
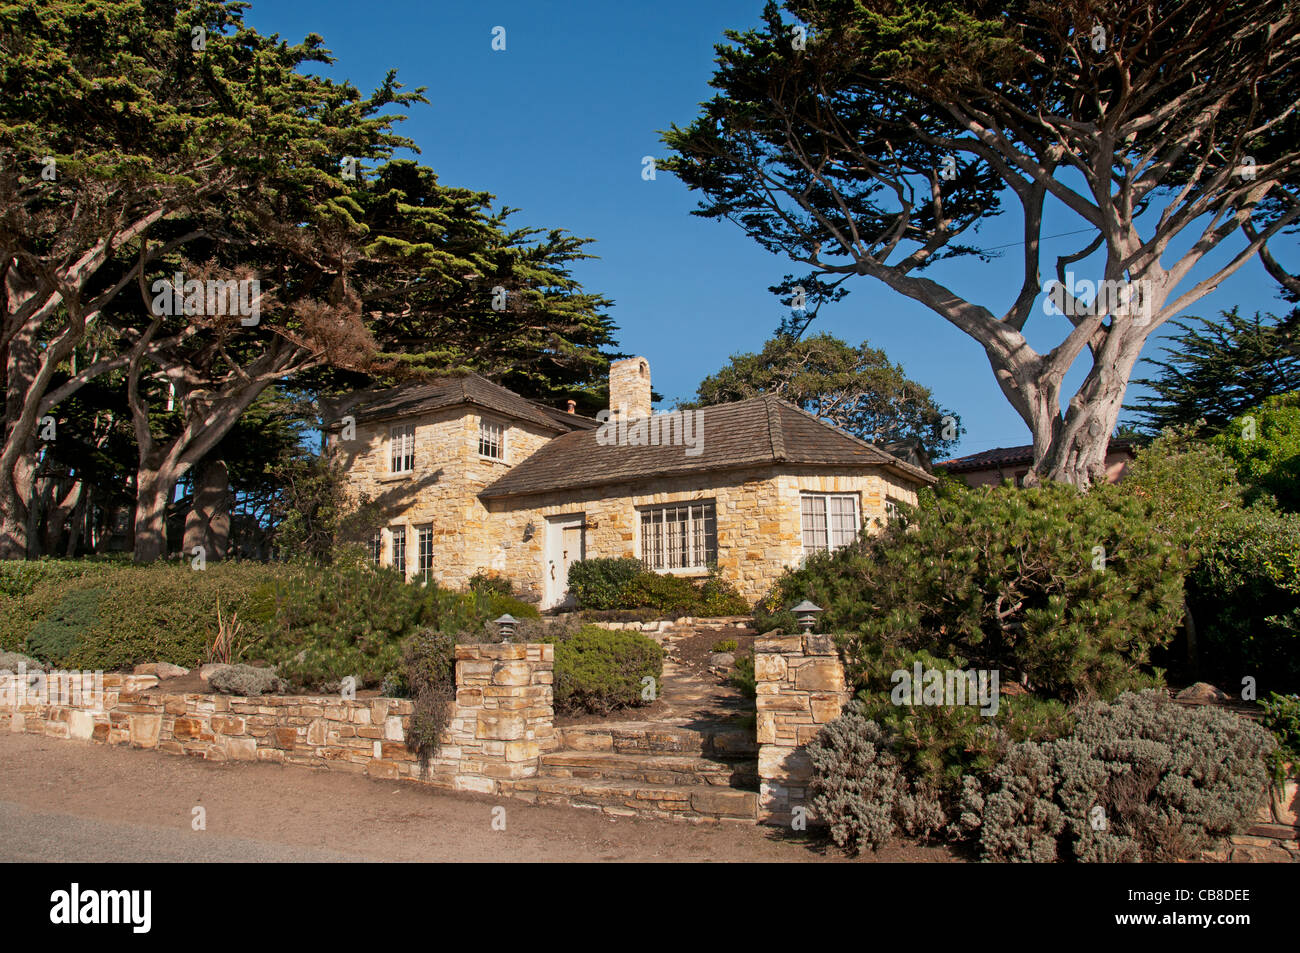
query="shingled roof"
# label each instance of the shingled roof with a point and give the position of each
(1008, 457)
(762, 431)
(415, 397)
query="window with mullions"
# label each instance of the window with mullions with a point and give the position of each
(424, 567)
(401, 441)
(399, 549)
(679, 536)
(491, 439)
(830, 520)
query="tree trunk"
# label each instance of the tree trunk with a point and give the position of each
(13, 523)
(208, 521)
(153, 495)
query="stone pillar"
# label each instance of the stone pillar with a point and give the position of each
(800, 682)
(504, 716)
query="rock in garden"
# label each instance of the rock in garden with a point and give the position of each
(168, 670)
(146, 668)
(205, 673)
(1202, 693)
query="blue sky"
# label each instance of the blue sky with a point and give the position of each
(557, 125)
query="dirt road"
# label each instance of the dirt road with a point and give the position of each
(75, 801)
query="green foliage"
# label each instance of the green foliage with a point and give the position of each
(725, 645)
(862, 790)
(60, 632)
(159, 613)
(599, 583)
(1217, 370)
(1004, 578)
(351, 620)
(1264, 442)
(665, 594)
(499, 605)
(742, 676)
(855, 388)
(599, 670)
(939, 744)
(1189, 483)
(490, 583)
(429, 677)
(1139, 779)
(1244, 594)
(245, 680)
(1282, 718)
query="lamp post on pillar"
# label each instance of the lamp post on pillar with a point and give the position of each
(506, 625)
(807, 614)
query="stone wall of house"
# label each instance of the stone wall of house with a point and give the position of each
(801, 687)
(758, 519)
(442, 492)
(502, 721)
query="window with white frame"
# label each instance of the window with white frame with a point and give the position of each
(491, 439)
(399, 549)
(830, 520)
(377, 548)
(424, 566)
(401, 440)
(679, 536)
(893, 510)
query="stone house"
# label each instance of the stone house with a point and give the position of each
(471, 476)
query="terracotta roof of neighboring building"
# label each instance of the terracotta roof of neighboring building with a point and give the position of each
(415, 397)
(1008, 457)
(762, 431)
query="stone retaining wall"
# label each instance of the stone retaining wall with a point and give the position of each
(800, 684)
(502, 721)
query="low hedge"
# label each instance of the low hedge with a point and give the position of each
(624, 584)
(599, 670)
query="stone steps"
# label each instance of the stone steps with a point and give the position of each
(644, 737)
(621, 798)
(651, 768)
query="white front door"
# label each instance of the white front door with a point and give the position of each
(564, 546)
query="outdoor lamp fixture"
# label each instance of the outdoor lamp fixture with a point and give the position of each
(529, 532)
(506, 624)
(807, 614)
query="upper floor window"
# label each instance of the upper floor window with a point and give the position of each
(401, 441)
(679, 536)
(491, 439)
(830, 520)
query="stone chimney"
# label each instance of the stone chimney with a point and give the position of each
(573, 407)
(629, 388)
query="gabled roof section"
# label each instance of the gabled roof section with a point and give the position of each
(762, 431)
(418, 397)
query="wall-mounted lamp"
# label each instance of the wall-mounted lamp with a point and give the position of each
(529, 532)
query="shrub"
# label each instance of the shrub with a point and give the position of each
(599, 670)
(1244, 595)
(1004, 578)
(1265, 444)
(860, 789)
(1282, 718)
(165, 612)
(666, 595)
(61, 632)
(719, 597)
(428, 676)
(1141, 778)
(599, 583)
(245, 680)
(498, 605)
(9, 662)
(489, 583)
(742, 677)
(725, 645)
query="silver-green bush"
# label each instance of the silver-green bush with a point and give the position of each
(245, 680)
